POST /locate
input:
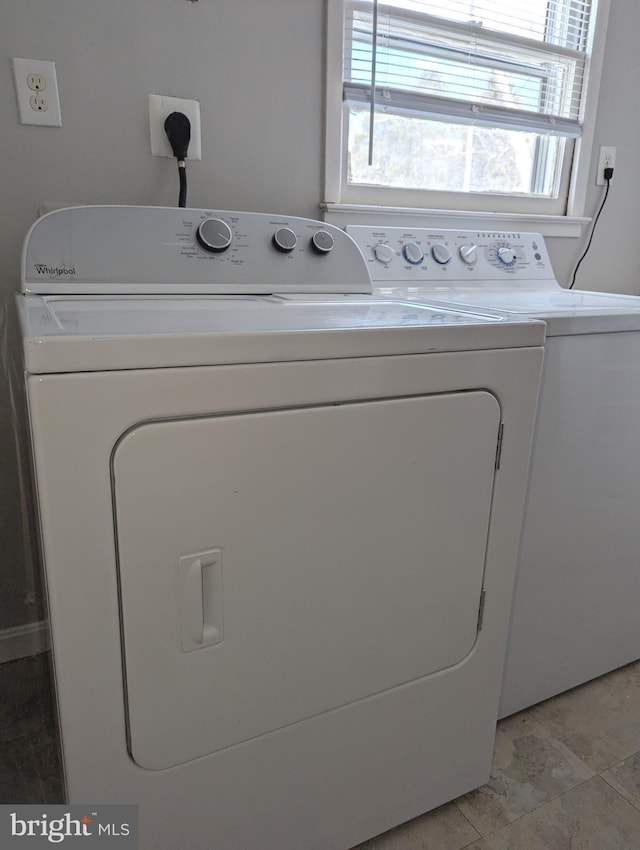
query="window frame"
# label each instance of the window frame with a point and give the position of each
(562, 216)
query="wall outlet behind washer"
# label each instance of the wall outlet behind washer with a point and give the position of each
(160, 106)
(606, 159)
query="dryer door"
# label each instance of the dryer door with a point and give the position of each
(278, 564)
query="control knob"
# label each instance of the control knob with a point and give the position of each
(506, 255)
(468, 254)
(440, 253)
(322, 242)
(214, 235)
(412, 253)
(383, 253)
(285, 240)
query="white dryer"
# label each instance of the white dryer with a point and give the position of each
(575, 613)
(279, 523)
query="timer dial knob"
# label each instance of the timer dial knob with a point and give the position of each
(383, 253)
(413, 253)
(507, 255)
(214, 235)
(285, 240)
(322, 242)
(468, 254)
(440, 253)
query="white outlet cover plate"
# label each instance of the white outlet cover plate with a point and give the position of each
(160, 106)
(49, 117)
(607, 154)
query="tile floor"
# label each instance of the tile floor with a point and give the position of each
(566, 773)
(30, 769)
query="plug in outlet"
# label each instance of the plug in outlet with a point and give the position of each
(160, 107)
(37, 92)
(607, 159)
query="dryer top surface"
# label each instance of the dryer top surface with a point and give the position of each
(98, 333)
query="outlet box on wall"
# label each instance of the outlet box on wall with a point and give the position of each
(606, 159)
(160, 106)
(37, 92)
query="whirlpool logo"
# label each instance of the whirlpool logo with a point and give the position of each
(42, 826)
(55, 271)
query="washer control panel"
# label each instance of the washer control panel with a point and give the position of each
(415, 255)
(118, 249)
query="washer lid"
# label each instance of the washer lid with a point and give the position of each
(475, 273)
(96, 333)
(565, 311)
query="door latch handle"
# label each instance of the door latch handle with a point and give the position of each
(200, 599)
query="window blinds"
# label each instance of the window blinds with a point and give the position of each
(518, 65)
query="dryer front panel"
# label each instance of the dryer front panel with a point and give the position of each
(275, 565)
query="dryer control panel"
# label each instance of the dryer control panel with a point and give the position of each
(160, 250)
(407, 255)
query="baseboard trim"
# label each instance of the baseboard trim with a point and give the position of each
(21, 641)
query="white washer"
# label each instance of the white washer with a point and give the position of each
(575, 613)
(279, 532)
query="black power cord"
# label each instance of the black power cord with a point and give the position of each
(608, 174)
(178, 129)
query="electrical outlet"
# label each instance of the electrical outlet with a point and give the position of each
(37, 92)
(38, 103)
(36, 82)
(160, 106)
(606, 159)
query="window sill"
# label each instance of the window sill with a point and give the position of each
(548, 225)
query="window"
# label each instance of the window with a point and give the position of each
(475, 104)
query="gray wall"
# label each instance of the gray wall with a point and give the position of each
(257, 70)
(611, 264)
